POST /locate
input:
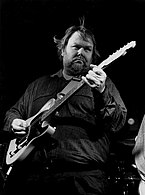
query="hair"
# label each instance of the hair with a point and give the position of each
(85, 34)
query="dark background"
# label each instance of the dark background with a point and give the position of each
(27, 50)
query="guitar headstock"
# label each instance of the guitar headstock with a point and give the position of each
(131, 44)
(117, 54)
(126, 47)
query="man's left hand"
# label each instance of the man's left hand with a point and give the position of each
(96, 78)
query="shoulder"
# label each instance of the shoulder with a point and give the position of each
(44, 83)
(47, 79)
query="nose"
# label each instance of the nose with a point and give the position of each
(80, 51)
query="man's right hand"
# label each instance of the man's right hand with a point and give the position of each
(19, 126)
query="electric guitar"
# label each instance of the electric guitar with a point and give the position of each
(20, 148)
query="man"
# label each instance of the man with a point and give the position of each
(139, 156)
(75, 163)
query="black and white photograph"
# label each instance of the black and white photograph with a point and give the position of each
(72, 111)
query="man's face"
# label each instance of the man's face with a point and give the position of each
(77, 55)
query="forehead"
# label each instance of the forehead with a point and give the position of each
(76, 38)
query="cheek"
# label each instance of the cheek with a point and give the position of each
(89, 58)
(70, 54)
(67, 58)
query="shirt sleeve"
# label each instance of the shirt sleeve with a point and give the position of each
(112, 109)
(20, 109)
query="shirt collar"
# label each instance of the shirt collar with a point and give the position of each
(60, 74)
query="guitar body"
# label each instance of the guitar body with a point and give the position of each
(19, 148)
(17, 153)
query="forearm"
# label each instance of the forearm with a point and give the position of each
(111, 109)
(11, 114)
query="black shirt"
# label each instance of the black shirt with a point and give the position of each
(83, 123)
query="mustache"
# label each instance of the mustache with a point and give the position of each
(80, 58)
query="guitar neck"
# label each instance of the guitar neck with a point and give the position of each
(79, 84)
(59, 102)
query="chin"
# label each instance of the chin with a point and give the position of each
(77, 72)
(76, 69)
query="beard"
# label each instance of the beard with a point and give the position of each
(76, 67)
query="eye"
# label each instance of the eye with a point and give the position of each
(88, 49)
(75, 47)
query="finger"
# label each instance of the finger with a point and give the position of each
(86, 80)
(17, 127)
(96, 70)
(20, 132)
(23, 124)
(93, 65)
(16, 131)
(89, 81)
(93, 76)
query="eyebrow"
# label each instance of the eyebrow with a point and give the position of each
(88, 46)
